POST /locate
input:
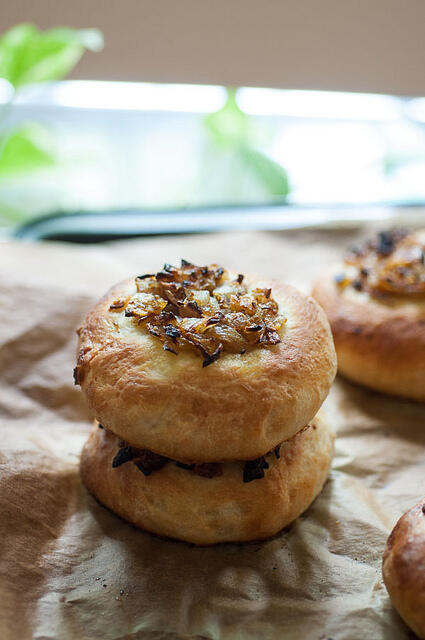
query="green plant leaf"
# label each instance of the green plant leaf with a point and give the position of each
(269, 173)
(26, 149)
(232, 130)
(229, 126)
(28, 55)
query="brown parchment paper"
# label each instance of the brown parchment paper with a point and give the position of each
(71, 569)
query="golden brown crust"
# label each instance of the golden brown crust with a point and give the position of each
(403, 567)
(380, 341)
(239, 407)
(177, 503)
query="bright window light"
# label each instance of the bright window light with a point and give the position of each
(134, 96)
(6, 91)
(319, 104)
(138, 96)
(415, 109)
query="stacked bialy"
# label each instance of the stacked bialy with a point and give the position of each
(205, 385)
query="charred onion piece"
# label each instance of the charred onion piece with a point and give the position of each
(201, 308)
(124, 455)
(148, 462)
(209, 469)
(254, 327)
(254, 469)
(209, 359)
(182, 465)
(118, 304)
(392, 262)
(76, 375)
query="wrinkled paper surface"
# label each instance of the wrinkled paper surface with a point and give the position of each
(71, 569)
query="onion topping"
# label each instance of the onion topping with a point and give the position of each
(202, 309)
(393, 262)
(148, 461)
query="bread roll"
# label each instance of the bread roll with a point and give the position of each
(176, 502)
(375, 303)
(263, 382)
(403, 567)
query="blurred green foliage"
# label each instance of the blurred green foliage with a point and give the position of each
(233, 131)
(25, 149)
(27, 56)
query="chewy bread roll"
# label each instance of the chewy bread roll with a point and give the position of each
(178, 503)
(403, 567)
(375, 303)
(243, 363)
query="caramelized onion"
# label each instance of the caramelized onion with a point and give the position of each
(147, 462)
(392, 262)
(201, 308)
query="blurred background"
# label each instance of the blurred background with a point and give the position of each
(146, 117)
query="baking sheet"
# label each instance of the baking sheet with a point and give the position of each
(71, 569)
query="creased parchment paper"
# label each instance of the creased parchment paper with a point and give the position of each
(71, 569)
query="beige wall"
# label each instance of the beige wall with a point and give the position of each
(365, 45)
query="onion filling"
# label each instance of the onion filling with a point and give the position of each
(201, 308)
(393, 262)
(148, 462)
